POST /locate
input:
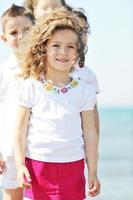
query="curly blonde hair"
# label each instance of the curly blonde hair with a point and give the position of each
(33, 50)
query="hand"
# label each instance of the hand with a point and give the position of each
(94, 185)
(2, 164)
(24, 179)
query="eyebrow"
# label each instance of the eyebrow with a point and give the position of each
(66, 43)
(12, 29)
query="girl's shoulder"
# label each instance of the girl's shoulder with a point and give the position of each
(30, 85)
(86, 95)
(87, 75)
(30, 81)
(28, 93)
(85, 87)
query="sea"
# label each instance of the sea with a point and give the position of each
(116, 154)
(115, 169)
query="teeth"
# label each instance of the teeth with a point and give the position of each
(60, 60)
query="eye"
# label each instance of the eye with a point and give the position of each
(55, 45)
(27, 28)
(71, 47)
(13, 33)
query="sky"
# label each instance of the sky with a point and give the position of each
(110, 47)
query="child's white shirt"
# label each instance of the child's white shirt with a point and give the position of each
(9, 85)
(87, 75)
(55, 133)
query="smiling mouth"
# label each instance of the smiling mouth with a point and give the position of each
(62, 60)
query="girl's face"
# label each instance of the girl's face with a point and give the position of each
(44, 7)
(62, 51)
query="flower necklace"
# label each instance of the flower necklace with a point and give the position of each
(50, 87)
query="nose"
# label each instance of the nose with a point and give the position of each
(63, 51)
(20, 35)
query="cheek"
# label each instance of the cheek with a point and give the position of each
(12, 41)
(73, 55)
(51, 54)
(50, 57)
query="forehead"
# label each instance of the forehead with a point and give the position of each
(17, 22)
(64, 35)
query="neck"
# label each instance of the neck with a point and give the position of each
(58, 79)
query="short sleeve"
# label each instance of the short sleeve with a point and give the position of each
(91, 78)
(88, 99)
(26, 94)
(94, 83)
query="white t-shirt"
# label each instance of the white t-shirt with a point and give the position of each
(55, 133)
(9, 85)
(87, 75)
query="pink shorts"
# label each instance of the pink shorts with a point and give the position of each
(56, 181)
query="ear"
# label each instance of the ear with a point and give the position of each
(3, 37)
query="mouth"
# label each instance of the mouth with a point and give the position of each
(62, 60)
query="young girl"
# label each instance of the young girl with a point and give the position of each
(41, 8)
(52, 126)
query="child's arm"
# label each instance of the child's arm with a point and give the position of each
(19, 146)
(2, 92)
(91, 149)
(96, 117)
(2, 164)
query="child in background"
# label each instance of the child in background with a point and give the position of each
(81, 71)
(16, 22)
(41, 8)
(55, 125)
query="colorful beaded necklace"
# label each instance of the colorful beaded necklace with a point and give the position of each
(50, 87)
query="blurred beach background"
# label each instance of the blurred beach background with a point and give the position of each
(109, 55)
(116, 157)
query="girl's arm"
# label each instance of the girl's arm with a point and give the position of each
(19, 145)
(91, 150)
(96, 117)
